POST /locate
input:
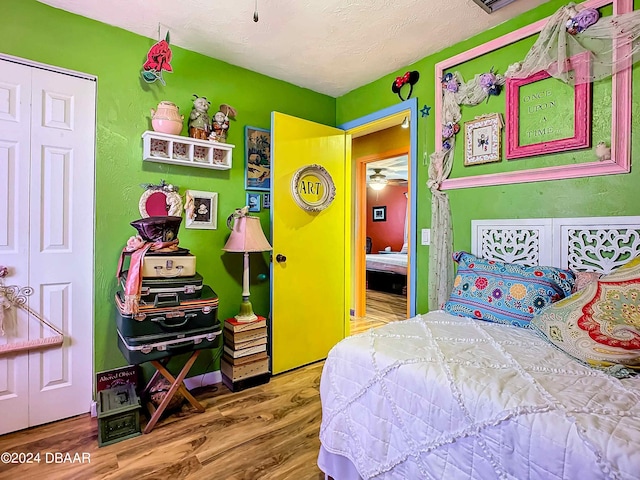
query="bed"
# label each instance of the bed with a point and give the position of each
(387, 272)
(444, 396)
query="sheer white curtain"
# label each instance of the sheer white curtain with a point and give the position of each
(441, 162)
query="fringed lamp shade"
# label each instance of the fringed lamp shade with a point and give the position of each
(246, 236)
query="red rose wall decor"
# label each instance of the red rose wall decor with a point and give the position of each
(158, 59)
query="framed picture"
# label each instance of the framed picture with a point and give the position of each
(201, 209)
(538, 108)
(258, 158)
(379, 214)
(482, 140)
(253, 200)
(266, 200)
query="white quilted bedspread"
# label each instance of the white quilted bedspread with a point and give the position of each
(446, 397)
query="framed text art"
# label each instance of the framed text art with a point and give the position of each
(482, 140)
(201, 209)
(312, 188)
(587, 165)
(545, 115)
(258, 158)
(379, 214)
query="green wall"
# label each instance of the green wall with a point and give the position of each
(593, 196)
(116, 56)
(38, 32)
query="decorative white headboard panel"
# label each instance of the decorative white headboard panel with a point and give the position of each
(592, 244)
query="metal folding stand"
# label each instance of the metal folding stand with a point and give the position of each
(177, 384)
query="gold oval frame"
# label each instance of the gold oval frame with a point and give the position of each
(327, 184)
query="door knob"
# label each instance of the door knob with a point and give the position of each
(280, 258)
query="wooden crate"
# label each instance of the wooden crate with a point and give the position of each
(118, 414)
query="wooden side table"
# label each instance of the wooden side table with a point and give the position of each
(177, 384)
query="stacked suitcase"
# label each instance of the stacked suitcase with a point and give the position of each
(177, 312)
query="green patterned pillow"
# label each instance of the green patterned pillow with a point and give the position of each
(599, 324)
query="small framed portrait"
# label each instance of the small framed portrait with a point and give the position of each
(258, 162)
(482, 140)
(266, 200)
(201, 209)
(379, 214)
(253, 201)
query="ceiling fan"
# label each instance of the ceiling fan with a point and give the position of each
(377, 180)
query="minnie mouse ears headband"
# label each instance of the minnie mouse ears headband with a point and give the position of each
(410, 78)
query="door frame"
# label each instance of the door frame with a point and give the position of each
(369, 122)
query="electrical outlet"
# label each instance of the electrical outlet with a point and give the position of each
(426, 236)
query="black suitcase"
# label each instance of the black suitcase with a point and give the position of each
(158, 289)
(145, 348)
(168, 315)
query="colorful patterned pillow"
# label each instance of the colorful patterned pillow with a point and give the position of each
(504, 292)
(599, 324)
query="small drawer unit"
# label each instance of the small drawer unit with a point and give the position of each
(118, 414)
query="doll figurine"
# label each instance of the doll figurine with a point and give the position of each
(220, 124)
(199, 118)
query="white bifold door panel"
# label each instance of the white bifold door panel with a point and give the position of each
(47, 165)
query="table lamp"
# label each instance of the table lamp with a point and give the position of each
(246, 236)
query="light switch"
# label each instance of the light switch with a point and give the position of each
(426, 236)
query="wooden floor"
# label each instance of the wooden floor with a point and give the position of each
(266, 432)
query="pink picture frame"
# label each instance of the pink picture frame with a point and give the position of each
(581, 115)
(620, 161)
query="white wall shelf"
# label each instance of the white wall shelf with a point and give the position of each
(179, 150)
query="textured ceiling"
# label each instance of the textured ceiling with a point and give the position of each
(329, 46)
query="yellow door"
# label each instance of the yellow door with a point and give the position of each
(309, 291)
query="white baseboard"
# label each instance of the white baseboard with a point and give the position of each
(204, 380)
(94, 409)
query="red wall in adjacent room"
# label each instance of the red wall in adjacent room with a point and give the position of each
(391, 232)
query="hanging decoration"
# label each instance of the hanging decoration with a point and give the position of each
(582, 20)
(409, 78)
(455, 92)
(15, 296)
(611, 44)
(158, 60)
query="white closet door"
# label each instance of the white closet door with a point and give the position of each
(15, 119)
(56, 235)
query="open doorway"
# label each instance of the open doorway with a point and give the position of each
(384, 153)
(384, 225)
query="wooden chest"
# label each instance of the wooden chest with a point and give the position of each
(118, 414)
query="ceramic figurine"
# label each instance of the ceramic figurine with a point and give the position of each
(167, 118)
(199, 118)
(220, 124)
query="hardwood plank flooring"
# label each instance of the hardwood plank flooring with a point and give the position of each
(267, 432)
(381, 308)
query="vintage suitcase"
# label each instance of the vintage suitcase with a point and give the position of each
(145, 348)
(153, 288)
(168, 315)
(168, 265)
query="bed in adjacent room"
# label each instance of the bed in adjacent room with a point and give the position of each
(526, 372)
(387, 271)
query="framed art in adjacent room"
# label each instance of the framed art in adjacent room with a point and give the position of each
(482, 140)
(201, 209)
(379, 214)
(253, 201)
(258, 158)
